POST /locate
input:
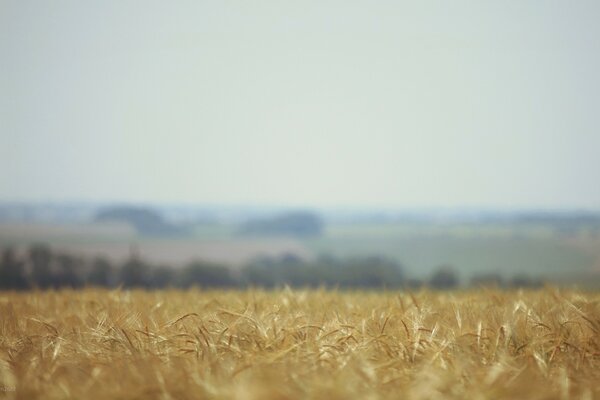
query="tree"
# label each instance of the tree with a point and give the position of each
(145, 220)
(299, 223)
(525, 281)
(491, 279)
(206, 275)
(375, 272)
(12, 273)
(444, 278)
(40, 257)
(162, 277)
(261, 272)
(101, 273)
(67, 271)
(134, 273)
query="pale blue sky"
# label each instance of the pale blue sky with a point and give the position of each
(401, 104)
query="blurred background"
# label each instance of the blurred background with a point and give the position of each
(330, 143)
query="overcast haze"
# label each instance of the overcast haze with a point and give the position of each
(302, 103)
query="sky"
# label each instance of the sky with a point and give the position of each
(318, 103)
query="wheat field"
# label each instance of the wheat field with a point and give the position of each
(300, 344)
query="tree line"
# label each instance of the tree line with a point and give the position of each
(42, 268)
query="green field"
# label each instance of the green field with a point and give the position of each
(471, 249)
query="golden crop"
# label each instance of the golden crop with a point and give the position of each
(253, 344)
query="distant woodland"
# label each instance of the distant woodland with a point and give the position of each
(41, 268)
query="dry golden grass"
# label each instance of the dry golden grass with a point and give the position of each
(483, 344)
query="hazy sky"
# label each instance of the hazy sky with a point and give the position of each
(492, 104)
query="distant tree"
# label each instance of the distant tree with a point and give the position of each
(145, 220)
(42, 275)
(444, 278)
(12, 272)
(162, 277)
(261, 272)
(491, 279)
(370, 272)
(206, 275)
(524, 281)
(300, 223)
(69, 269)
(299, 275)
(101, 273)
(134, 273)
(413, 284)
(275, 272)
(291, 259)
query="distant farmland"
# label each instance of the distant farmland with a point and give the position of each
(420, 248)
(471, 249)
(117, 242)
